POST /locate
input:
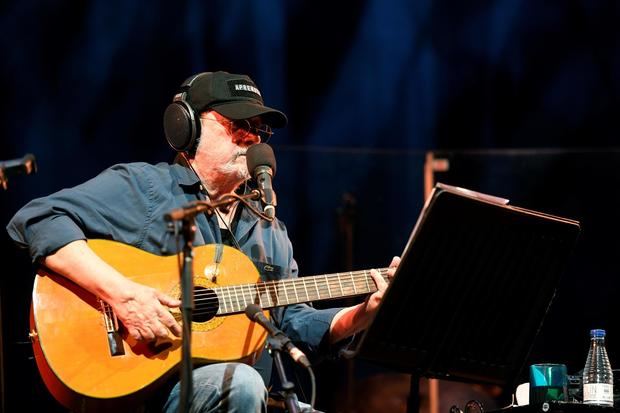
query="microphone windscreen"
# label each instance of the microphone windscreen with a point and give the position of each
(260, 154)
(251, 310)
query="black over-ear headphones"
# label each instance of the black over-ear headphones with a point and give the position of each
(181, 123)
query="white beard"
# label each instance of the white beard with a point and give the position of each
(235, 168)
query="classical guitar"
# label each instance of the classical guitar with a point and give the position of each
(89, 363)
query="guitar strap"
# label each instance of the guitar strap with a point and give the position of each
(219, 252)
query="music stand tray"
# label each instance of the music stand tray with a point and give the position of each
(476, 279)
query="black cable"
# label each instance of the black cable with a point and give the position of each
(313, 387)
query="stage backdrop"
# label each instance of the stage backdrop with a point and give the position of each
(368, 86)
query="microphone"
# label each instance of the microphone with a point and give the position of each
(262, 165)
(25, 165)
(255, 313)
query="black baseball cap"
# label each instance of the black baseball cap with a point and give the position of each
(233, 96)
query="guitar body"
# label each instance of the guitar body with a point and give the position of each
(70, 340)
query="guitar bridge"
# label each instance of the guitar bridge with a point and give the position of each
(115, 342)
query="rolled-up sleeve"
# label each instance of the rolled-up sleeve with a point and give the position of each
(309, 327)
(43, 236)
(113, 205)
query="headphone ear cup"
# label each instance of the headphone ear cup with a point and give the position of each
(181, 126)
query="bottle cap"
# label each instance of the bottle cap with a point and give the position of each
(597, 333)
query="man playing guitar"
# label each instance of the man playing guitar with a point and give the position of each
(214, 119)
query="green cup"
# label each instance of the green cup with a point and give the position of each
(548, 382)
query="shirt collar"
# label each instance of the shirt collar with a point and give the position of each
(188, 179)
(185, 176)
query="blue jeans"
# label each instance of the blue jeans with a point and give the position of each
(223, 388)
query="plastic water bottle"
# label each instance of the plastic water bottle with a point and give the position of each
(598, 379)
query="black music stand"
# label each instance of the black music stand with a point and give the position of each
(476, 279)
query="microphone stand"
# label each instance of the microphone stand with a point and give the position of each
(277, 342)
(275, 345)
(187, 309)
(186, 215)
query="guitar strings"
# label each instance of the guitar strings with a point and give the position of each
(290, 284)
(239, 302)
(241, 296)
(211, 303)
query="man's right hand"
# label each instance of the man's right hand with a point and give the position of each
(142, 310)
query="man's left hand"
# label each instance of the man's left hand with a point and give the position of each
(372, 302)
(350, 320)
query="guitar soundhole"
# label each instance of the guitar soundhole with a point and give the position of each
(206, 304)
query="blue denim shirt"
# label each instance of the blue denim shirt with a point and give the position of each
(127, 202)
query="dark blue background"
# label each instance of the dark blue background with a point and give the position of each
(369, 87)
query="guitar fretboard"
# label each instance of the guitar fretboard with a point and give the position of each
(235, 298)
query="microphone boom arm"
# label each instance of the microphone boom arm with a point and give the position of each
(192, 209)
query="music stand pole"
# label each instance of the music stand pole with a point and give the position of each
(413, 401)
(187, 309)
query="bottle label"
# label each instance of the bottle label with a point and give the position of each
(598, 393)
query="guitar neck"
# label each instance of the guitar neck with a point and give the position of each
(269, 294)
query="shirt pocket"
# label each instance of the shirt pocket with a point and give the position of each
(270, 272)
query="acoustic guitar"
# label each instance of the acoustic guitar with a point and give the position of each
(89, 363)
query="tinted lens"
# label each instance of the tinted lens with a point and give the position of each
(243, 127)
(240, 127)
(263, 131)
